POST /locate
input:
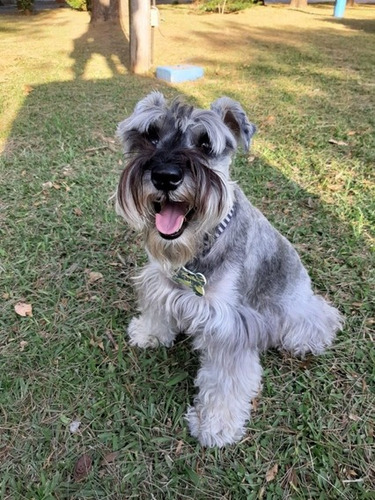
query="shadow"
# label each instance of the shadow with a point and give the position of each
(367, 26)
(103, 39)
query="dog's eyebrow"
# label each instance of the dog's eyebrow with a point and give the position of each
(219, 134)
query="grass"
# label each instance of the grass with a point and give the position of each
(307, 81)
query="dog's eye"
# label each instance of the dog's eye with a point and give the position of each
(152, 135)
(204, 143)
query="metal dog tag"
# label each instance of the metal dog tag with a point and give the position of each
(194, 281)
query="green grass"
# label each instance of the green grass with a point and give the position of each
(305, 79)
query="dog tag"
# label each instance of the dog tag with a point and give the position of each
(195, 281)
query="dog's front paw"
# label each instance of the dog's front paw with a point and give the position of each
(144, 332)
(214, 428)
(141, 336)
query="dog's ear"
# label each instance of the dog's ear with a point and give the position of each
(150, 102)
(235, 119)
(146, 112)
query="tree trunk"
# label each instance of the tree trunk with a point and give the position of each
(104, 10)
(298, 4)
(124, 17)
(140, 36)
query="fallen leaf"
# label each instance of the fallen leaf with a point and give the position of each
(67, 171)
(23, 344)
(370, 430)
(47, 185)
(179, 447)
(82, 467)
(112, 340)
(271, 473)
(78, 212)
(5, 296)
(292, 477)
(94, 276)
(269, 120)
(110, 458)
(354, 417)
(338, 143)
(27, 89)
(350, 473)
(23, 309)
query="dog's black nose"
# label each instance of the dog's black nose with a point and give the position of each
(167, 177)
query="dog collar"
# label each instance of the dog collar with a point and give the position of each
(194, 280)
(220, 228)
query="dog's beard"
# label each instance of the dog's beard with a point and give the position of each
(174, 223)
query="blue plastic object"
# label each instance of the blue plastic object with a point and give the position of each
(179, 73)
(339, 9)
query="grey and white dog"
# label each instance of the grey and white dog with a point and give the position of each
(218, 271)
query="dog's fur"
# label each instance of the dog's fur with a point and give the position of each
(258, 294)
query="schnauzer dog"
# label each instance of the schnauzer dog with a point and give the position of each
(218, 271)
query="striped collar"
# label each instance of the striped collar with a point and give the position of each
(220, 228)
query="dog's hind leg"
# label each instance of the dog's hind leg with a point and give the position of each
(311, 328)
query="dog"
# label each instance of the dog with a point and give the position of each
(217, 271)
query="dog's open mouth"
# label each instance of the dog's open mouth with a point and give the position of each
(171, 218)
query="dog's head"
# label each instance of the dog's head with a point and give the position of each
(176, 186)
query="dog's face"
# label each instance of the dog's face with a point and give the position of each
(176, 183)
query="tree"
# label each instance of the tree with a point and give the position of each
(135, 19)
(140, 36)
(104, 10)
(298, 4)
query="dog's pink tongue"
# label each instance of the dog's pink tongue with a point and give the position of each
(171, 217)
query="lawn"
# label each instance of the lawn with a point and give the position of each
(307, 81)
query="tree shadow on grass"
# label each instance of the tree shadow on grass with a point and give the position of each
(364, 25)
(103, 39)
